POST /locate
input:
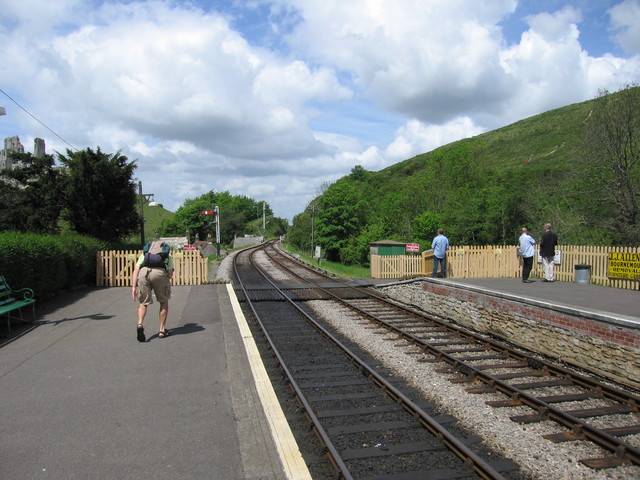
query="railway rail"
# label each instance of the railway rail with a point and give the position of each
(370, 428)
(579, 404)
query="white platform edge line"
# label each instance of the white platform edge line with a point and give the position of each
(290, 456)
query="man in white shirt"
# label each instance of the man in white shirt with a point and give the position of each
(527, 251)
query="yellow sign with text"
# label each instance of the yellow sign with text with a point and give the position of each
(625, 266)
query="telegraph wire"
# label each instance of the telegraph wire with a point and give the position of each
(32, 116)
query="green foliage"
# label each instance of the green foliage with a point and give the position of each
(47, 264)
(348, 271)
(300, 232)
(30, 198)
(235, 213)
(426, 223)
(80, 258)
(482, 190)
(276, 227)
(356, 249)
(153, 217)
(99, 194)
(342, 213)
(611, 159)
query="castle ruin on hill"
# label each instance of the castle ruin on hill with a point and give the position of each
(13, 145)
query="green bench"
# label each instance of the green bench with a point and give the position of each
(11, 300)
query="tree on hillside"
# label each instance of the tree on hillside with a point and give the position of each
(235, 212)
(359, 174)
(299, 233)
(342, 214)
(99, 194)
(612, 156)
(189, 220)
(30, 195)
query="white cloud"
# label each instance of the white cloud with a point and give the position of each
(415, 138)
(430, 60)
(556, 27)
(327, 85)
(625, 23)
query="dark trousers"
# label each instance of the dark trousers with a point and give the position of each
(527, 265)
(443, 266)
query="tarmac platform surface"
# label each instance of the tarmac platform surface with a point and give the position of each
(604, 301)
(82, 398)
(598, 300)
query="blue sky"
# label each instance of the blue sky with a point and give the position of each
(274, 99)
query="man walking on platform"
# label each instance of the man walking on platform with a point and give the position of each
(548, 244)
(526, 250)
(152, 275)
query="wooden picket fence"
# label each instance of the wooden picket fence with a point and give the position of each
(396, 266)
(115, 267)
(502, 262)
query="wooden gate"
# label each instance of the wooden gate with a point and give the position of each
(115, 267)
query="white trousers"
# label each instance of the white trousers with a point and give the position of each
(548, 268)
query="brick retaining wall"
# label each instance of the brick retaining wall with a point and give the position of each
(609, 348)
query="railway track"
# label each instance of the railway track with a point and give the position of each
(583, 408)
(369, 427)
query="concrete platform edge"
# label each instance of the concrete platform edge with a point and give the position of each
(292, 463)
(621, 320)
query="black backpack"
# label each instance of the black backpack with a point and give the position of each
(155, 254)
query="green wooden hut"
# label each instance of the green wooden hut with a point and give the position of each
(387, 247)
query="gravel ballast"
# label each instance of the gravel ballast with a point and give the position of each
(522, 443)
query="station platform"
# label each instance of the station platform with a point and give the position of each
(82, 398)
(592, 300)
(604, 302)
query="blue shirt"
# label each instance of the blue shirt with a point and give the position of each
(440, 245)
(526, 245)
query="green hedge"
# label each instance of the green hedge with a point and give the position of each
(48, 264)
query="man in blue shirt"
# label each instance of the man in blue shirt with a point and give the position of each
(440, 245)
(527, 251)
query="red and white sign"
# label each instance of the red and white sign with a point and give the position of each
(208, 212)
(189, 248)
(412, 247)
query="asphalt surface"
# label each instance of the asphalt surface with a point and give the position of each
(592, 298)
(83, 399)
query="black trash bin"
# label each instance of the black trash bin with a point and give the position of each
(583, 273)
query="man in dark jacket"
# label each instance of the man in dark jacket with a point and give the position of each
(548, 245)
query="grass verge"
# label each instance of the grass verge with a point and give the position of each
(351, 271)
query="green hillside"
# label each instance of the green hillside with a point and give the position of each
(534, 139)
(481, 190)
(153, 217)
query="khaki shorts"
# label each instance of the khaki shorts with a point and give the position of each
(154, 280)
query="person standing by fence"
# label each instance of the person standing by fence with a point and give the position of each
(440, 245)
(526, 251)
(548, 244)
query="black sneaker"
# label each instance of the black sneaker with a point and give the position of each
(140, 331)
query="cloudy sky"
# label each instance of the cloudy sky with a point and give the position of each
(273, 98)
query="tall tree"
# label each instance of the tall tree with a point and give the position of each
(235, 211)
(612, 156)
(99, 194)
(30, 195)
(341, 215)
